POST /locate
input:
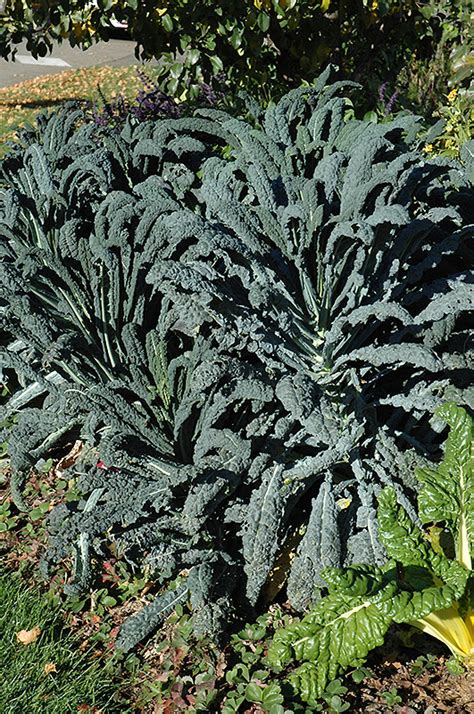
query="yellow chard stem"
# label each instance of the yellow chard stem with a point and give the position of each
(448, 626)
(463, 546)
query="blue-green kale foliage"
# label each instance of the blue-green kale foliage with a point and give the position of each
(248, 324)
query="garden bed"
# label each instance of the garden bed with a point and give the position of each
(173, 672)
(243, 340)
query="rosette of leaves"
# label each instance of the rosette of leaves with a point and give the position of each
(424, 583)
(231, 314)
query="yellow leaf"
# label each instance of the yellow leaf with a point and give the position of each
(325, 5)
(26, 637)
(49, 668)
(452, 95)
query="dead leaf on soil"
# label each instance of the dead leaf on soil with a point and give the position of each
(26, 637)
(68, 460)
(221, 665)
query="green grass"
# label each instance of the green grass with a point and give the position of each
(81, 682)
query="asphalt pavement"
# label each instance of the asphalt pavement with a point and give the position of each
(114, 53)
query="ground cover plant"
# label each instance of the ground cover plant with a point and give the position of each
(247, 325)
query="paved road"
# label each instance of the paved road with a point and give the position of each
(115, 53)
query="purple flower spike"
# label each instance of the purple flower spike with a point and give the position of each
(382, 89)
(391, 103)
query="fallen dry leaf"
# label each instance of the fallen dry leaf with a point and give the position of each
(221, 665)
(26, 637)
(49, 668)
(68, 460)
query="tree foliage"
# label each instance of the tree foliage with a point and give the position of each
(254, 42)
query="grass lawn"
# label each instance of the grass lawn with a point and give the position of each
(20, 103)
(53, 674)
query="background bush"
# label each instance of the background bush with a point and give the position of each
(269, 46)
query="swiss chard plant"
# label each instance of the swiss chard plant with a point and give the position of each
(248, 325)
(427, 582)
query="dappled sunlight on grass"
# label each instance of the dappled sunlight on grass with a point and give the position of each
(20, 103)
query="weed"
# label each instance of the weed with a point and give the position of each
(391, 697)
(423, 663)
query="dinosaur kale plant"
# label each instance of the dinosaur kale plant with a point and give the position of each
(421, 584)
(247, 324)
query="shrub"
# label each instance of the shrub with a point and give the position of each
(451, 135)
(248, 324)
(266, 45)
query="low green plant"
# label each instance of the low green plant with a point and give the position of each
(249, 678)
(391, 697)
(455, 665)
(53, 673)
(427, 582)
(455, 126)
(361, 673)
(423, 663)
(7, 520)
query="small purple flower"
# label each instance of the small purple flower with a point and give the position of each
(382, 89)
(391, 103)
(152, 103)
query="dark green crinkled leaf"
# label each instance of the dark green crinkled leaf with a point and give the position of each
(229, 314)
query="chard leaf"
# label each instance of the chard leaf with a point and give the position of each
(338, 633)
(363, 602)
(405, 543)
(347, 624)
(447, 492)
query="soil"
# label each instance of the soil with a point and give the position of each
(422, 684)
